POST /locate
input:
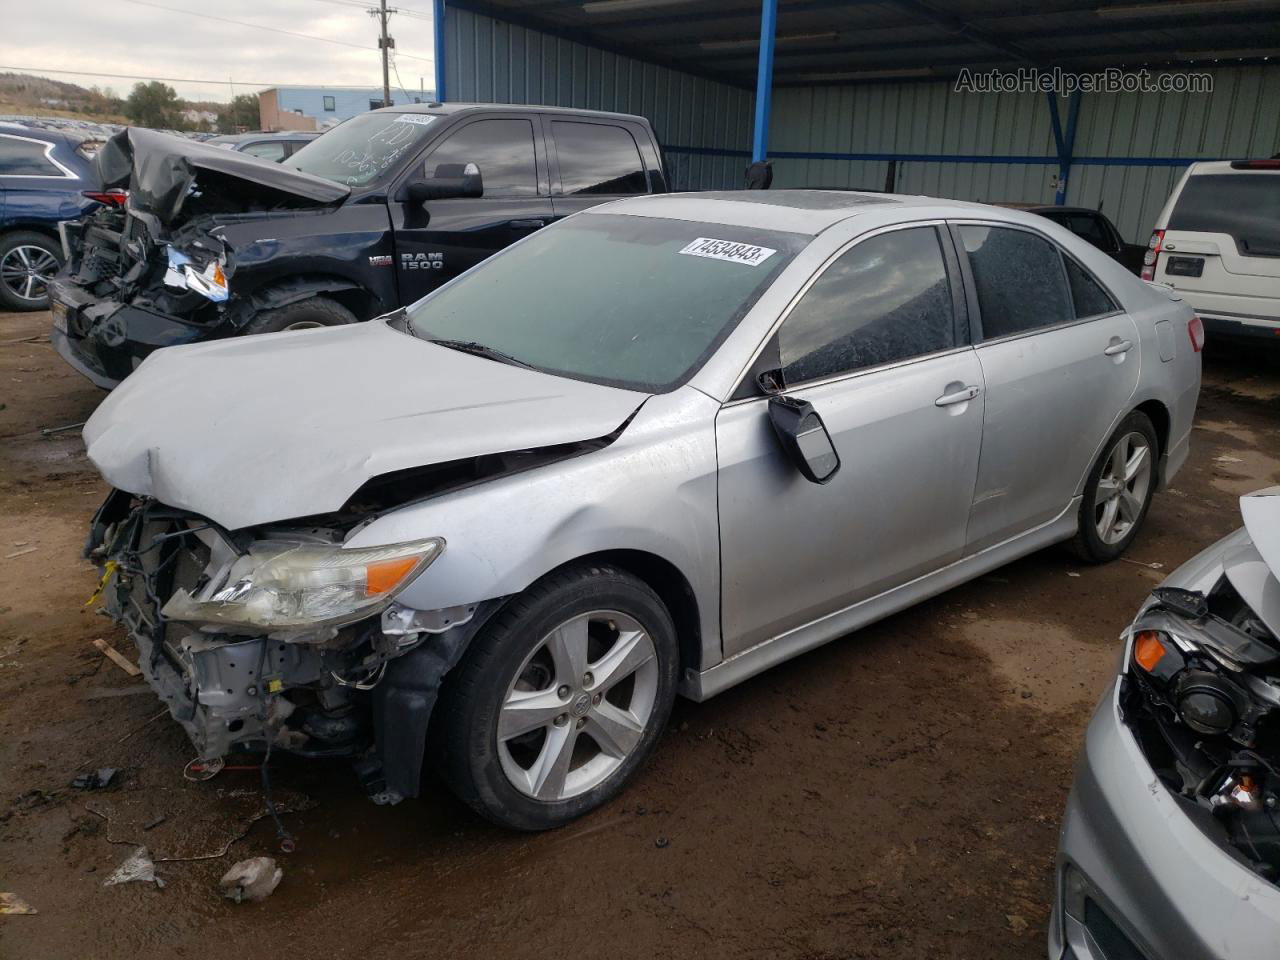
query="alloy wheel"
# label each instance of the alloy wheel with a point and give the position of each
(578, 706)
(1123, 488)
(27, 270)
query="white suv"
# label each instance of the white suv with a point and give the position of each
(1217, 241)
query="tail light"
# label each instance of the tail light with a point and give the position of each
(115, 197)
(1153, 252)
(1195, 330)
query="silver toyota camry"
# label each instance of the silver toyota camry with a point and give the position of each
(653, 449)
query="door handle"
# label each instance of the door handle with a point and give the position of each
(1124, 346)
(962, 395)
(528, 224)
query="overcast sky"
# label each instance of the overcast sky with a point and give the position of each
(137, 37)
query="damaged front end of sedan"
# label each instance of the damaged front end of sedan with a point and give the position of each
(281, 638)
(1202, 694)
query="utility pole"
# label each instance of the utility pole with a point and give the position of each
(386, 44)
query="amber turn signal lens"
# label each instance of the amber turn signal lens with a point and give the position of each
(386, 575)
(1148, 649)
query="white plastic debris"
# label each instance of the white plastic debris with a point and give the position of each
(253, 879)
(137, 866)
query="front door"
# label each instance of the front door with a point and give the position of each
(1060, 361)
(437, 240)
(878, 346)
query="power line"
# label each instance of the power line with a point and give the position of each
(258, 26)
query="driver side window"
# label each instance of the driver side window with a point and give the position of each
(502, 149)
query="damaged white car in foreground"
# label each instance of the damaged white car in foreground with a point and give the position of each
(657, 447)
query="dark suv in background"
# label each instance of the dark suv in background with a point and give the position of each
(45, 176)
(371, 216)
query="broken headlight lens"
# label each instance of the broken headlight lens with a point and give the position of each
(291, 586)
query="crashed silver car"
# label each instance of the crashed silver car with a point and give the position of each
(1171, 839)
(655, 448)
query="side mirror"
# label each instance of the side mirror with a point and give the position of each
(451, 180)
(804, 437)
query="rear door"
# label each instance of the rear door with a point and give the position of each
(440, 239)
(1221, 246)
(596, 161)
(1060, 360)
(877, 344)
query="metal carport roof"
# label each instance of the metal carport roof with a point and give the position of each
(845, 41)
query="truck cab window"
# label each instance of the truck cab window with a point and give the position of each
(598, 158)
(501, 148)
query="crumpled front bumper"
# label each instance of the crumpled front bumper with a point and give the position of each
(1149, 872)
(105, 340)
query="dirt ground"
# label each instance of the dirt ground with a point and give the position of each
(896, 794)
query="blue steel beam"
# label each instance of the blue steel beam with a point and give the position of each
(438, 27)
(764, 79)
(1065, 142)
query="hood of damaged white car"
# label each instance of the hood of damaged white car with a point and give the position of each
(162, 174)
(1255, 569)
(273, 427)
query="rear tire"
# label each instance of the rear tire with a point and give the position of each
(1118, 491)
(588, 652)
(302, 315)
(28, 261)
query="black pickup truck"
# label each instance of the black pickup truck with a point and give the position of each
(369, 217)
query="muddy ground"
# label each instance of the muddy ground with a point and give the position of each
(896, 794)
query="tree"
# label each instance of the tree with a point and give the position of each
(153, 104)
(240, 114)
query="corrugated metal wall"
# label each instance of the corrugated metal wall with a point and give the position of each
(491, 61)
(1240, 118)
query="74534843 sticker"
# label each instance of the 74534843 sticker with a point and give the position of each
(730, 250)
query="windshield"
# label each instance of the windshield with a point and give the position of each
(636, 302)
(363, 148)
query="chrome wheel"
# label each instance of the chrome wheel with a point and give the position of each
(1123, 488)
(26, 272)
(578, 706)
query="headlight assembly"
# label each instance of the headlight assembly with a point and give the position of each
(285, 586)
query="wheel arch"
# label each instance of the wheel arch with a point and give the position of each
(361, 301)
(1160, 418)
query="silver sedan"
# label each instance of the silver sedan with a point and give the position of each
(653, 449)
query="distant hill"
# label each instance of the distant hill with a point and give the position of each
(25, 94)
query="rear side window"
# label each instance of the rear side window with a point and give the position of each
(1020, 280)
(1091, 229)
(884, 300)
(502, 149)
(597, 158)
(25, 158)
(1246, 206)
(1087, 294)
(267, 149)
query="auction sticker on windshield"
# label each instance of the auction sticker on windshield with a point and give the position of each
(730, 250)
(419, 119)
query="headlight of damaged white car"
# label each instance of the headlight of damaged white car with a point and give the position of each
(282, 585)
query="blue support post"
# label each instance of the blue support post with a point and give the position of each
(439, 49)
(1066, 143)
(764, 79)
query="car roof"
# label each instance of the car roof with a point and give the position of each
(1225, 166)
(1044, 208)
(452, 108)
(802, 211)
(264, 135)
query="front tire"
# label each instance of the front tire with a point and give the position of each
(559, 699)
(1118, 491)
(303, 315)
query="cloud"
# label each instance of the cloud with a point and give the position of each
(127, 38)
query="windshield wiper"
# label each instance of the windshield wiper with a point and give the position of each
(480, 350)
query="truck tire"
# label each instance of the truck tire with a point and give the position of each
(559, 699)
(28, 261)
(301, 315)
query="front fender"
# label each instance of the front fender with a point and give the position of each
(652, 490)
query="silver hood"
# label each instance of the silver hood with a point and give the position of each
(1254, 569)
(267, 428)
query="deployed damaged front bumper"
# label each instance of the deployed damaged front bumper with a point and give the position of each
(105, 340)
(1137, 878)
